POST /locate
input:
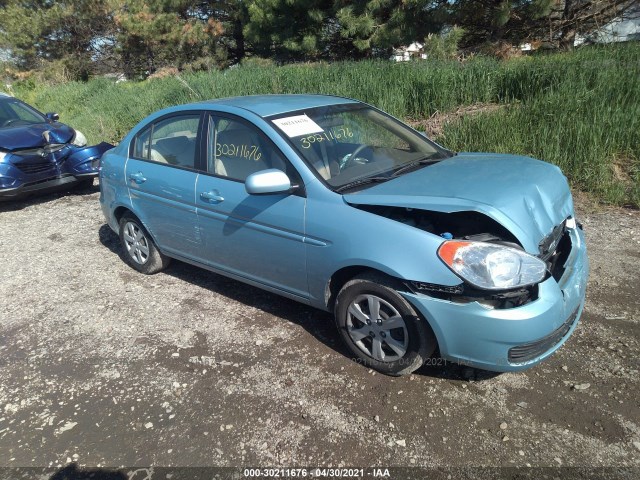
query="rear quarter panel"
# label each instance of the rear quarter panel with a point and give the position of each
(114, 191)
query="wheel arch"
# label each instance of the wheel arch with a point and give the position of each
(389, 288)
(121, 211)
(343, 275)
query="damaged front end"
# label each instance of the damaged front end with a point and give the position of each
(53, 165)
(462, 294)
(494, 328)
(471, 227)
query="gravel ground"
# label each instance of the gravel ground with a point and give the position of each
(107, 367)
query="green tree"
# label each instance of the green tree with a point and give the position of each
(152, 34)
(376, 26)
(233, 14)
(444, 45)
(335, 29)
(134, 36)
(554, 22)
(288, 29)
(73, 32)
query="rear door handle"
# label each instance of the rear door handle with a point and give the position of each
(138, 178)
(212, 196)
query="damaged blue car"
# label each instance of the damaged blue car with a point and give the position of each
(417, 250)
(40, 154)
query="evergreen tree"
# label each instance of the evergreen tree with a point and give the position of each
(555, 23)
(141, 36)
(288, 29)
(152, 34)
(75, 32)
(376, 26)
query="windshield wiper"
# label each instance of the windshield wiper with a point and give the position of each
(362, 181)
(414, 164)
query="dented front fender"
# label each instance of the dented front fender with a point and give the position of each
(84, 159)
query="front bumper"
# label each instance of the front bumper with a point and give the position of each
(43, 186)
(20, 178)
(513, 339)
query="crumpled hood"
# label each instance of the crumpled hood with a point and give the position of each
(30, 136)
(527, 196)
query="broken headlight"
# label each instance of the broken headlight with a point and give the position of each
(79, 140)
(492, 267)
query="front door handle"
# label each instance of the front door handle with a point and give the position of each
(138, 178)
(212, 196)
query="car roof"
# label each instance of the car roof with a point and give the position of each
(267, 105)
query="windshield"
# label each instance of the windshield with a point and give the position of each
(14, 113)
(348, 144)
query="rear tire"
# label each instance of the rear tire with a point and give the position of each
(382, 329)
(138, 248)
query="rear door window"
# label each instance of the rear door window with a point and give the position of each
(172, 141)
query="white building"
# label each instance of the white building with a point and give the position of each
(413, 51)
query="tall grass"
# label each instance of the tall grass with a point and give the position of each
(579, 110)
(108, 110)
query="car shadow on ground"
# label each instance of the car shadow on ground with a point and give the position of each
(36, 198)
(316, 322)
(73, 472)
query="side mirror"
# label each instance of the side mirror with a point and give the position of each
(54, 117)
(267, 181)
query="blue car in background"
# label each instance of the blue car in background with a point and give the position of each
(334, 203)
(40, 154)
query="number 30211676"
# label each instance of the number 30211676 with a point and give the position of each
(338, 133)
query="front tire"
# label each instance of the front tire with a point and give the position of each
(138, 248)
(382, 329)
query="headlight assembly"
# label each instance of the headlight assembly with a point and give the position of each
(490, 266)
(79, 140)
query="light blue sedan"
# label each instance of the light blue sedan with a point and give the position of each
(329, 201)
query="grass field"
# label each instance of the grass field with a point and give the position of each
(579, 110)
